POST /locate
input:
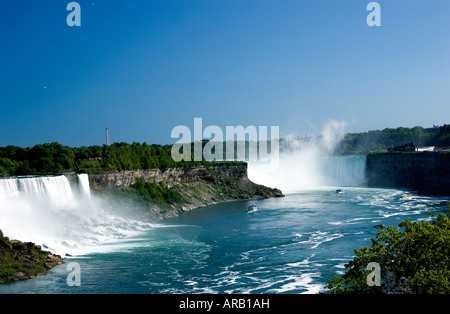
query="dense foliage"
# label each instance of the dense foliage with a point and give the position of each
(414, 260)
(124, 156)
(381, 140)
(55, 158)
(148, 193)
(39, 159)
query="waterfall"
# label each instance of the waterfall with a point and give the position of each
(54, 190)
(344, 170)
(83, 184)
(65, 217)
(9, 188)
(308, 169)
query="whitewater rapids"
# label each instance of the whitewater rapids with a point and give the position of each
(61, 216)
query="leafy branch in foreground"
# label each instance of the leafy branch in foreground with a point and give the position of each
(414, 260)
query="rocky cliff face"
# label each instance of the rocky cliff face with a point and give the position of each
(168, 175)
(200, 186)
(427, 172)
(23, 260)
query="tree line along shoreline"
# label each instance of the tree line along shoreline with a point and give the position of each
(55, 158)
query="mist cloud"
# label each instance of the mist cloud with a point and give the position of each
(308, 162)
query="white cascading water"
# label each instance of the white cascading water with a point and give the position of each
(64, 218)
(310, 163)
(83, 184)
(305, 171)
(344, 170)
(9, 188)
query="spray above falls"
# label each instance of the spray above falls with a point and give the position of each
(306, 163)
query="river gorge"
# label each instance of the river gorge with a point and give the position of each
(219, 247)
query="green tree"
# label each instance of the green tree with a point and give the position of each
(8, 167)
(148, 193)
(412, 260)
(443, 136)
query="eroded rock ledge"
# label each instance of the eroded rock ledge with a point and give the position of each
(24, 260)
(200, 186)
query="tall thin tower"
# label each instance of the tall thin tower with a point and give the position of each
(107, 136)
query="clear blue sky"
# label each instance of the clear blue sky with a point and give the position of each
(144, 67)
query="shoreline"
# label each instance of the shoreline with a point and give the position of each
(194, 187)
(24, 260)
(199, 187)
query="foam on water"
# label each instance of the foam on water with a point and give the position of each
(63, 218)
(290, 245)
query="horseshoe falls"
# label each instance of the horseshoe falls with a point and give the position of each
(348, 170)
(308, 170)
